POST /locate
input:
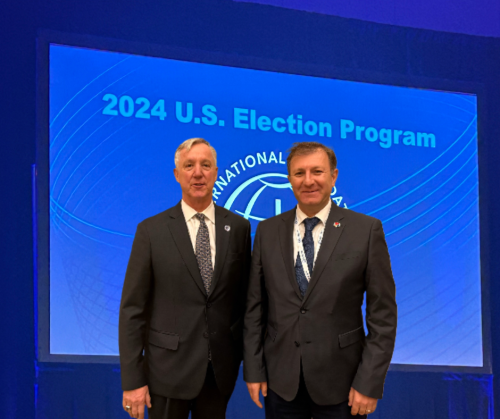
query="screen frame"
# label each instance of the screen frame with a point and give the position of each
(41, 213)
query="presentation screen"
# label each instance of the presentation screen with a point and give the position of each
(407, 156)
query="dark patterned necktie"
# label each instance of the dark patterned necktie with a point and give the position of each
(308, 243)
(204, 253)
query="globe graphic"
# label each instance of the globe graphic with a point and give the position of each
(265, 192)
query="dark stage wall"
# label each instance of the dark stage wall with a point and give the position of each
(80, 391)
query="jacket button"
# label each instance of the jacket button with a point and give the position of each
(303, 311)
(209, 305)
(297, 344)
(205, 335)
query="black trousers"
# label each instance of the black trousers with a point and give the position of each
(209, 404)
(303, 407)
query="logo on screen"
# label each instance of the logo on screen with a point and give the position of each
(260, 188)
(264, 181)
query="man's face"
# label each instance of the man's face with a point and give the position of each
(196, 173)
(312, 180)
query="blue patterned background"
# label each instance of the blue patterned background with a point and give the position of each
(107, 173)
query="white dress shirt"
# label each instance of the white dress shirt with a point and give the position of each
(301, 216)
(193, 224)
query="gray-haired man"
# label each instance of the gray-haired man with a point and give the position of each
(183, 300)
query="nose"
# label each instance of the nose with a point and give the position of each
(197, 171)
(308, 179)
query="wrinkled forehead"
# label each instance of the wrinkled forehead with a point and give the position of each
(198, 152)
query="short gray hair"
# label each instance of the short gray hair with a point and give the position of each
(186, 145)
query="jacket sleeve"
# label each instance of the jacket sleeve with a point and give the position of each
(254, 370)
(248, 263)
(134, 311)
(381, 317)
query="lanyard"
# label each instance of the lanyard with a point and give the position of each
(300, 247)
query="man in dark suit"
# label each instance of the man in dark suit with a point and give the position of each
(305, 347)
(182, 307)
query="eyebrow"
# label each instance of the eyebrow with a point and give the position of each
(312, 168)
(192, 161)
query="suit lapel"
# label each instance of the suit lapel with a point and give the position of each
(286, 240)
(330, 238)
(222, 236)
(180, 233)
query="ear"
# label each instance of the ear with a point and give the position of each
(176, 174)
(335, 175)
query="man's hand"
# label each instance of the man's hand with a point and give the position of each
(135, 400)
(360, 404)
(253, 389)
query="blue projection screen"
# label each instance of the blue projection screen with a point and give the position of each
(406, 156)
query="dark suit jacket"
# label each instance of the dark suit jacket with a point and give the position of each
(324, 329)
(166, 320)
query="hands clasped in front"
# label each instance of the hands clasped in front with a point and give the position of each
(359, 403)
(135, 400)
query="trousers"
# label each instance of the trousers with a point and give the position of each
(209, 404)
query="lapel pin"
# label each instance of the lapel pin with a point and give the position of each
(336, 224)
(227, 228)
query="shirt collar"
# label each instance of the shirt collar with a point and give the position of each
(189, 212)
(322, 215)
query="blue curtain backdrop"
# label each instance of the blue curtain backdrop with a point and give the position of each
(29, 390)
(94, 392)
